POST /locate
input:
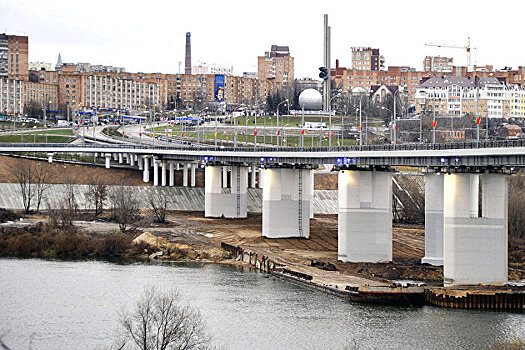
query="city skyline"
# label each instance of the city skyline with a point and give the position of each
(152, 39)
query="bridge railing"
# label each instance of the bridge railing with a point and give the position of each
(381, 147)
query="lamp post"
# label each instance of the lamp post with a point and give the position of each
(278, 135)
(393, 126)
(360, 123)
(330, 120)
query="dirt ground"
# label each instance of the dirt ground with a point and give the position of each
(206, 234)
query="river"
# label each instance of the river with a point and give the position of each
(75, 305)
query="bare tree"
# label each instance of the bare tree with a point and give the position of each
(41, 176)
(97, 195)
(31, 176)
(159, 200)
(124, 206)
(159, 321)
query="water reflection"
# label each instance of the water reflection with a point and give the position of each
(65, 305)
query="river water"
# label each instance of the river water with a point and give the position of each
(75, 305)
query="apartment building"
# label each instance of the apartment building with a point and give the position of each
(405, 77)
(457, 96)
(14, 56)
(15, 94)
(438, 64)
(276, 65)
(366, 58)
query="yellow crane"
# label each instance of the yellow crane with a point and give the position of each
(468, 48)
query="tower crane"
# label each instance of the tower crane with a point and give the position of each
(468, 48)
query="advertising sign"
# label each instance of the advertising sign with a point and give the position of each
(219, 88)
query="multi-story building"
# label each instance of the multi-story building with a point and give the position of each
(350, 79)
(14, 57)
(38, 66)
(277, 65)
(15, 94)
(457, 96)
(366, 58)
(437, 64)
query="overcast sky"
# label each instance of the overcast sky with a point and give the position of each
(149, 36)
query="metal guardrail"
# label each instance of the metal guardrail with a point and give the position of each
(384, 147)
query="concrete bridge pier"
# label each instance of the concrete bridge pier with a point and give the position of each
(192, 178)
(141, 162)
(171, 173)
(261, 178)
(155, 171)
(185, 174)
(312, 193)
(131, 158)
(115, 156)
(220, 202)
(224, 177)
(286, 203)
(108, 160)
(120, 158)
(365, 216)
(163, 172)
(475, 248)
(145, 174)
(253, 176)
(433, 219)
(50, 157)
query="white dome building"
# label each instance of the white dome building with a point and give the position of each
(311, 100)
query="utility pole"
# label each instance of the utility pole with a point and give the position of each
(434, 121)
(326, 64)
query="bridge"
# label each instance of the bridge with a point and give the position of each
(471, 245)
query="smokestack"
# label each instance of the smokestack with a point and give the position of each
(187, 61)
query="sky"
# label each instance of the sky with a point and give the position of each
(149, 36)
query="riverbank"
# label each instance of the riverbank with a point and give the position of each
(188, 236)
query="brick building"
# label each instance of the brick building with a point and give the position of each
(276, 65)
(366, 58)
(14, 57)
(437, 64)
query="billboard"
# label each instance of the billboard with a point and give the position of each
(218, 90)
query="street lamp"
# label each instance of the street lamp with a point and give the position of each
(360, 123)
(278, 135)
(330, 120)
(392, 134)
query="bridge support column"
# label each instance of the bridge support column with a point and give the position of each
(141, 163)
(177, 166)
(365, 216)
(261, 178)
(115, 156)
(475, 248)
(185, 174)
(192, 179)
(120, 158)
(172, 173)
(224, 177)
(219, 202)
(312, 193)
(253, 176)
(433, 219)
(145, 174)
(131, 159)
(50, 157)
(108, 160)
(155, 171)
(286, 203)
(163, 173)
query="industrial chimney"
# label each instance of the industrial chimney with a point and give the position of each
(187, 61)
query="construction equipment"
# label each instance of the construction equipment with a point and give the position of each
(468, 48)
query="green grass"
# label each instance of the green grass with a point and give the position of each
(290, 141)
(34, 138)
(56, 132)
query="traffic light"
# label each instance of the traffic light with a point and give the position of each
(323, 74)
